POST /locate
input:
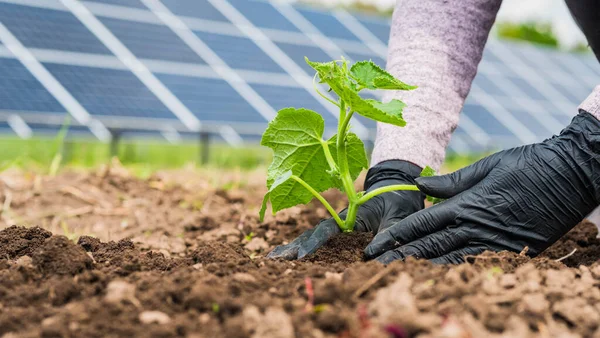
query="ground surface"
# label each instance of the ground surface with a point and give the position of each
(194, 267)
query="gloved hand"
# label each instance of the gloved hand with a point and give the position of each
(375, 215)
(525, 196)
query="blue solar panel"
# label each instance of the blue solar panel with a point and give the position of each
(20, 91)
(201, 9)
(5, 128)
(360, 57)
(483, 118)
(51, 29)
(488, 56)
(263, 15)
(526, 89)
(109, 92)
(327, 24)
(380, 28)
(563, 117)
(283, 97)
(240, 53)
(528, 120)
(297, 53)
(127, 3)
(151, 41)
(488, 85)
(575, 94)
(210, 99)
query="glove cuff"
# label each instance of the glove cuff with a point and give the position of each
(585, 130)
(402, 172)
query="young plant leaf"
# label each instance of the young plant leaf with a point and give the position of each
(296, 137)
(273, 189)
(428, 172)
(371, 76)
(334, 75)
(355, 152)
(392, 111)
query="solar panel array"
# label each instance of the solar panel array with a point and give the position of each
(173, 68)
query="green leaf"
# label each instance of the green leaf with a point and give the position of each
(371, 76)
(355, 152)
(392, 112)
(296, 137)
(281, 186)
(428, 172)
(332, 74)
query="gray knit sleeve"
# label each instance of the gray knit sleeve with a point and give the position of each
(436, 45)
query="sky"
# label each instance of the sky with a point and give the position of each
(553, 11)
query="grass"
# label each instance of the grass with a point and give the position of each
(143, 156)
(42, 154)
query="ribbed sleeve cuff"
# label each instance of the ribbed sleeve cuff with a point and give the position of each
(592, 103)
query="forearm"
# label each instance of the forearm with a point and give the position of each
(592, 103)
(437, 46)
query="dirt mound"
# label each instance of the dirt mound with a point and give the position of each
(170, 260)
(20, 241)
(59, 256)
(218, 290)
(344, 248)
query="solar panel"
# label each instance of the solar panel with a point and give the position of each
(49, 29)
(380, 28)
(328, 24)
(521, 92)
(211, 100)
(142, 40)
(257, 12)
(126, 3)
(282, 97)
(200, 9)
(22, 92)
(109, 92)
(240, 53)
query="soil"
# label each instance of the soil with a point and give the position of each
(180, 255)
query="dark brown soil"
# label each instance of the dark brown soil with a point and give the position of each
(195, 267)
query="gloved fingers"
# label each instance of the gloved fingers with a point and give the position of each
(430, 246)
(290, 251)
(458, 256)
(413, 227)
(323, 231)
(447, 186)
(368, 216)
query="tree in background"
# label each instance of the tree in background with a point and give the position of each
(534, 32)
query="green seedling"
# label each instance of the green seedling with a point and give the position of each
(249, 236)
(305, 164)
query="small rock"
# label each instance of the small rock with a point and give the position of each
(244, 277)
(197, 266)
(534, 303)
(119, 291)
(149, 317)
(204, 318)
(275, 322)
(333, 276)
(50, 321)
(24, 261)
(257, 244)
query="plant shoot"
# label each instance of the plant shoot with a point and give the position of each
(305, 164)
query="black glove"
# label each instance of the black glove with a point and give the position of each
(525, 196)
(375, 215)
